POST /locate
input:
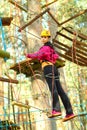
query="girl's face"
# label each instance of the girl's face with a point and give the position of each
(44, 39)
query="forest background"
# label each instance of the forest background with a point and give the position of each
(72, 75)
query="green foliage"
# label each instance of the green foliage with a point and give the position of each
(4, 54)
(66, 10)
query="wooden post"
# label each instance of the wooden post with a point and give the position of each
(27, 103)
(13, 106)
(80, 13)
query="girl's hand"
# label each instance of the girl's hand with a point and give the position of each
(29, 59)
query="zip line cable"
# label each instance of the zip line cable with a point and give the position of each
(27, 31)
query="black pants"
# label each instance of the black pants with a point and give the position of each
(52, 78)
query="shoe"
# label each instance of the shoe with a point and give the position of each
(54, 114)
(68, 117)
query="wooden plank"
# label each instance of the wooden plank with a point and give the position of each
(60, 47)
(20, 104)
(27, 66)
(78, 43)
(67, 57)
(79, 51)
(8, 80)
(6, 21)
(35, 18)
(69, 49)
(78, 57)
(70, 55)
(80, 35)
(73, 17)
(79, 46)
(66, 46)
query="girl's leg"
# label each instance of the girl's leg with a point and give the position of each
(48, 73)
(63, 95)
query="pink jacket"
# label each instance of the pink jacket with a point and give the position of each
(45, 53)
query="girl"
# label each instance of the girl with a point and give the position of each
(47, 56)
